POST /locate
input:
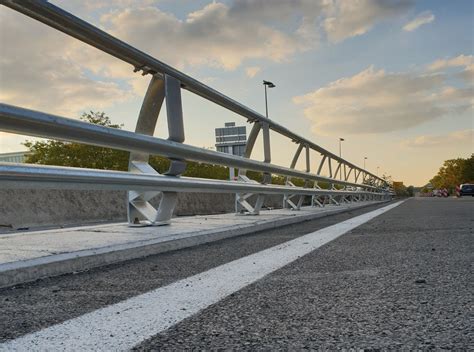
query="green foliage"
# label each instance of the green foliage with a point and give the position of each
(195, 169)
(52, 152)
(467, 173)
(453, 173)
(59, 153)
(159, 163)
(400, 190)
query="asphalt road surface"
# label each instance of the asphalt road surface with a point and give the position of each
(401, 280)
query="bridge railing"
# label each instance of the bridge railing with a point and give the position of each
(348, 182)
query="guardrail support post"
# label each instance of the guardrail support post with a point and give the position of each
(315, 199)
(140, 211)
(267, 177)
(287, 202)
(242, 204)
(306, 182)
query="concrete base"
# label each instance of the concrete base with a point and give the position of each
(30, 256)
(40, 208)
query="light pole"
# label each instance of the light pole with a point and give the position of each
(365, 158)
(340, 155)
(340, 140)
(377, 171)
(269, 85)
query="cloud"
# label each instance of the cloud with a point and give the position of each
(347, 19)
(458, 61)
(444, 140)
(215, 36)
(39, 73)
(375, 101)
(464, 61)
(85, 8)
(468, 74)
(421, 19)
(252, 71)
(225, 35)
(46, 70)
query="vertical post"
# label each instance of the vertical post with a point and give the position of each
(287, 197)
(267, 177)
(138, 208)
(174, 112)
(252, 138)
(266, 145)
(241, 202)
(174, 109)
(266, 102)
(321, 164)
(140, 211)
(308, 169)
(231, 169)
(308, 164)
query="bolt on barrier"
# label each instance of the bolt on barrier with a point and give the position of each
(347, 181)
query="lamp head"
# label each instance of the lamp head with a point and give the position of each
(268, 84)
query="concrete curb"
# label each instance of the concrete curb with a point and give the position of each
(30, 270)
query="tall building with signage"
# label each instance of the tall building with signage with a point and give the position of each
(231, 139)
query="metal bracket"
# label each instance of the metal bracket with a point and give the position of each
(287, 202)
(315, 200)
(241, 204)
(140, 211)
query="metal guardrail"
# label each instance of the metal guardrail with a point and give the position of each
(348, 181)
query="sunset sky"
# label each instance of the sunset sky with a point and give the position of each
(395, 79)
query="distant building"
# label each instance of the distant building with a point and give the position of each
(397, 184)
(231, 139)
(15, 157)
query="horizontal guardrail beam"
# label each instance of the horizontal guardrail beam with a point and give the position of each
(56, 177)
(64, 21)
(23, 121)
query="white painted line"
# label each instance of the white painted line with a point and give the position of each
(124, 325)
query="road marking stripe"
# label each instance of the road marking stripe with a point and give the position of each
(126, 324)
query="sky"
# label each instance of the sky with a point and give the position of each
(395, 79)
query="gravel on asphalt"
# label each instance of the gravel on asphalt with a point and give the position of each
(30, 307)
(401, 281)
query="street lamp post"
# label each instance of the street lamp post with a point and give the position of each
(269, 85)
(340, 155)
(365, 158)
(340, 140)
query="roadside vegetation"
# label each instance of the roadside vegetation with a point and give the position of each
(453, 173)
(53, 152)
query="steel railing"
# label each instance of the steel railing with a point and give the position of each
(348, 181)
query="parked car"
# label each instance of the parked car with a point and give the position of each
(466, 190)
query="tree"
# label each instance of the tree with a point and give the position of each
(52, 152)
(400, 190)
(453, 173)
(468, 170)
